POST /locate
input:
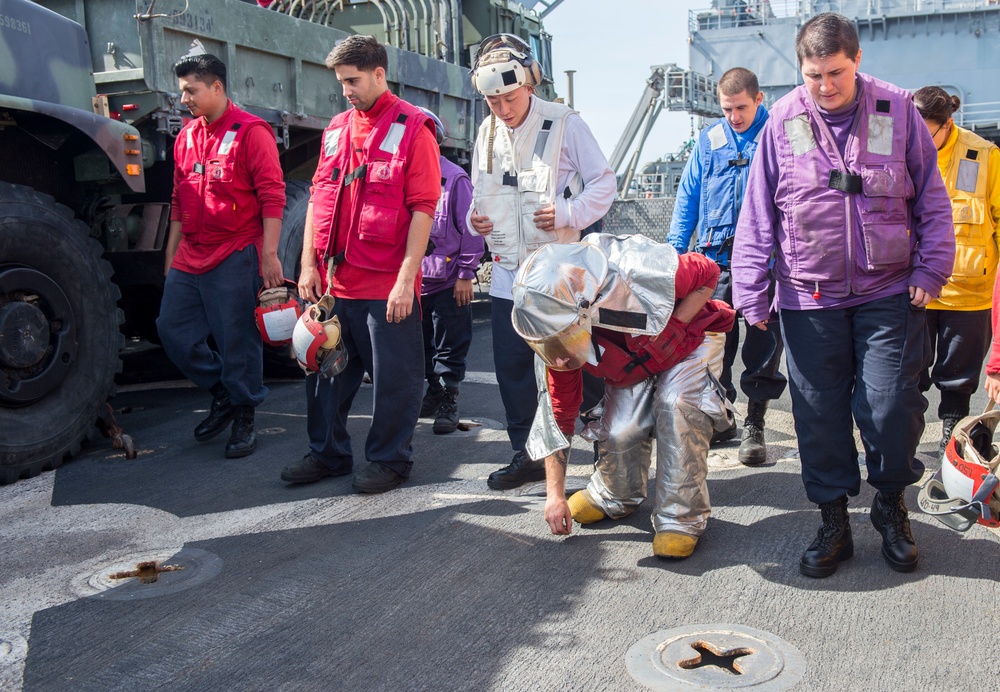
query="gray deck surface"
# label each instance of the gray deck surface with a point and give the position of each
(443, 584)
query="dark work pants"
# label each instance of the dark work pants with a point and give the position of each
(514, 362)
(447, 329)
(219, 303)
(867, 360)
(392, 354)
(762, 379)
(959, 342)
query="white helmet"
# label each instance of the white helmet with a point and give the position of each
(316, 340)
(504, 63)
(966, 490)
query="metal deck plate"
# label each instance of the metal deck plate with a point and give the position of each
(710, 657)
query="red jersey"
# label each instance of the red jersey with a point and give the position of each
(421, 178)
(227, 179)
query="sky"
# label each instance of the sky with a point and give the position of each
(612, 52)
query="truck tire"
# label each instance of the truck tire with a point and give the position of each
(58, 310)
(279, 361)
(293, 224)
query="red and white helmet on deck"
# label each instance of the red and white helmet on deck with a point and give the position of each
(966, 489)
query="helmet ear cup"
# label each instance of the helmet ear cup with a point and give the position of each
(332, 330)
(534, 71)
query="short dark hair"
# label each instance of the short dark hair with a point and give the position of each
(738, 80)
(205, 68)
(827, 34)
(935, 104)
(363, 52)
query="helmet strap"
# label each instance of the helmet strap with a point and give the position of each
(489, 146)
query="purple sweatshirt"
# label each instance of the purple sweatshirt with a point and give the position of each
(850, 221)
(456, 252)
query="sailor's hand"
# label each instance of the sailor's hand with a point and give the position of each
(545, 218)
(463, 292)
(271, 269)
(919, 298)
(310, 284)
(761, 325)
(993, 387)
(400, 303)
(558, 516)
(481, 224)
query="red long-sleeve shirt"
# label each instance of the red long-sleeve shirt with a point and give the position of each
(993, 364)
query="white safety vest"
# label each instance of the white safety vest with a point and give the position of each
(525, 165)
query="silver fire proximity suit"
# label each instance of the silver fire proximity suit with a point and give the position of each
(627, 285)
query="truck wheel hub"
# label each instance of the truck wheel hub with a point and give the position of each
(38, 342)
(24, 335)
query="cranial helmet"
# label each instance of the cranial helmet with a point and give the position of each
(316, 340)
(438, 125)
(504, 63)
(278, 310)
(966, 490)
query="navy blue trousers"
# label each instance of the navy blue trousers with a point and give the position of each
(392, 354)
(447, 330)
(959, 342)
(762, 379)
(514, 362)
(219, 304)
(866, 361)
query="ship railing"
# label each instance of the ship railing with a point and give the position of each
(730, 14)
(983, 114)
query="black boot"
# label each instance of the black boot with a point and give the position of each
(218, 416)
(446, 418)
(889, 517)
(432, 399)
(522, 469)
(752, 449)
(833, 543)
(243, 440)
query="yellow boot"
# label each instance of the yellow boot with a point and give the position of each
(584, 510)
(673, 544)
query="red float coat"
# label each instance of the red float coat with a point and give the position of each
(993, 364)
(376, 168)
(677, 341)
(227, 179)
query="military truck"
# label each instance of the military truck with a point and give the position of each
(89, 108)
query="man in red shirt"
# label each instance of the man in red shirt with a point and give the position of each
(373, 199)
(225, 222)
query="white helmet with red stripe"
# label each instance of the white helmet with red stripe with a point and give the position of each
(278, 310)
(966, 489)
(316, 339)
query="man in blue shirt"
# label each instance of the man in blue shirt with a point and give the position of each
(709, 199)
